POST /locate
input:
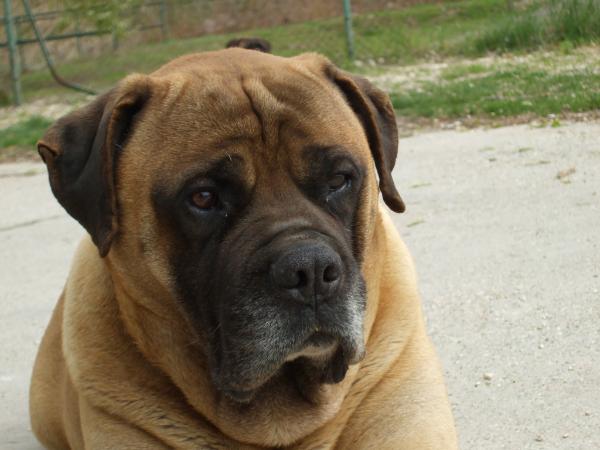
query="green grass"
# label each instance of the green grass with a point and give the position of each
(18, 141)
(548, 22)
(575, 20)
(422, 31)
(505, 92)
(23, 134)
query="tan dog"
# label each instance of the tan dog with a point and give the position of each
(242, 287)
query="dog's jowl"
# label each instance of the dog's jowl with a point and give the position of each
(242, 285)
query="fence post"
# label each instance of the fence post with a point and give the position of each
(21, 49)
(13, 54)
(348, 28)
(164, 24)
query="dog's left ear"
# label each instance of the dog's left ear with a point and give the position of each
(81, 151)
(375, 111)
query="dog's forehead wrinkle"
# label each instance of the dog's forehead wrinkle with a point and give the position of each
(204, 105)
(272, 114)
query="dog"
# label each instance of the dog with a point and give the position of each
(241, 286)
(262, 45)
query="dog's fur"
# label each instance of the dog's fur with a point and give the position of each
(168, 332)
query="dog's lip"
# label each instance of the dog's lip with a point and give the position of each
(240, 396)
(318, 345)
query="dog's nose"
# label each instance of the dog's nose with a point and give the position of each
(308, 273)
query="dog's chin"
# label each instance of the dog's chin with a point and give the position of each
(322, 359)
(318, 347)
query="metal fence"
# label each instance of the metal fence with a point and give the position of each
(343, 30)
(25, 29)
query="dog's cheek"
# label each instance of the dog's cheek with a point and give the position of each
(195, 277)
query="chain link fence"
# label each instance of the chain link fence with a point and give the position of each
(365, 32)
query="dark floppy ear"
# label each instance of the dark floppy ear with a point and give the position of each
(375, 111)
(81, 152)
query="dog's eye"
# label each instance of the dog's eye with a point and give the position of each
(338, 181)
(204, 199)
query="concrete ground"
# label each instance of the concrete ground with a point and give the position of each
(504, 226)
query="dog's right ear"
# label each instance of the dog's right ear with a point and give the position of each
(376, 114)
(81, 151)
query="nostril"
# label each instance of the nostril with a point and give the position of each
(287, 278)
(331, 273)
(302, 279)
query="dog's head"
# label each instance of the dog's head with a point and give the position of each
(245, 185)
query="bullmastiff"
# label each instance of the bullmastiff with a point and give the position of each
(241, 286)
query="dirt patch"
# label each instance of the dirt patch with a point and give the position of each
(50, 107)
(408, 126)
(413, 77)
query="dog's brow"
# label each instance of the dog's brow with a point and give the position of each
(233, 140)
(228, 163)
(333, 150)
